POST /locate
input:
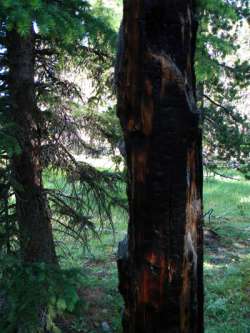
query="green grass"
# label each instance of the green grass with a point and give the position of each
(226, 265)
(227, 289)
(229, 198)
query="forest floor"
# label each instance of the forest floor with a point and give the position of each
(226, 266)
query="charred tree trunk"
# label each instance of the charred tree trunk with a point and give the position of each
(161, 278)
(33, 212)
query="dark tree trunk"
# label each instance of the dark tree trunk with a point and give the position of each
(161, 279)
(33, 212)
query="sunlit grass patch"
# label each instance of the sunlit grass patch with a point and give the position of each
(227, 197)
(227, 265)
(227, 305)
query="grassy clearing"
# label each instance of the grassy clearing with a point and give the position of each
(227, 262)
(226, 266)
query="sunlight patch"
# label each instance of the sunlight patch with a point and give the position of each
(245, 199)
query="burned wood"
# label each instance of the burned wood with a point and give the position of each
(161, 279)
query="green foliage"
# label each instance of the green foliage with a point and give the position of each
(8, 143)
(74, 36)
(64, 20)
(82, 200)
(65, 23)
(67, 36)
(226, 130)
(34, 290)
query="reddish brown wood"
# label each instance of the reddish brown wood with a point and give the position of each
(161, 280)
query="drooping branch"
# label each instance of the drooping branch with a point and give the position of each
(228, 111)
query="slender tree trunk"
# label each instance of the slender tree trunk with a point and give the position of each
(161, 280)
(33, 213)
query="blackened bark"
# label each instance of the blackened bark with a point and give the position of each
(33, 212)
(162, 278)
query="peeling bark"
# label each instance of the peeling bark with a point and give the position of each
(161, 279)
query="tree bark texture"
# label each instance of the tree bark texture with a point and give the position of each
(161, 279)
(33, 212)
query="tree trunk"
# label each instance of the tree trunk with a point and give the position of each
(161, 279)
(33, 214)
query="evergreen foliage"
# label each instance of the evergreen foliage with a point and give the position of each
(226, 130)
(68, 36)
(79, 37)
(25, 288)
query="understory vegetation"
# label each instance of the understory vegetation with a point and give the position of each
(64, 162)
(83, 295)
(226, 265)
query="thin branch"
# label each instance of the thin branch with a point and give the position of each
(226, 66)
(99, 53)
(70, 231)
(221, 106)
(224, 176)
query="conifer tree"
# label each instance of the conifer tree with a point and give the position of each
(19, 39)
(65, 37)
(39, 40)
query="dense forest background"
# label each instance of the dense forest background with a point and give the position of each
(57, 60)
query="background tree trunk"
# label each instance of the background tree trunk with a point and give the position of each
(161, 280)
(33, 213)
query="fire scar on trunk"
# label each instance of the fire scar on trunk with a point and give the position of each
(190, 258)
(172, 74)
(157, 271)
